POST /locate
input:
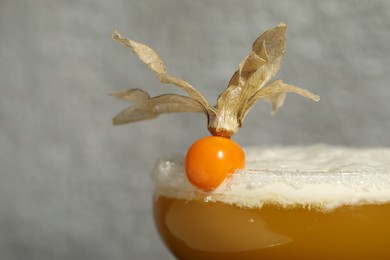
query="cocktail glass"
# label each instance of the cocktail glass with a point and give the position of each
(314, 202)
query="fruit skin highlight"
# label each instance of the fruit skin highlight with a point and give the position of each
(210, 159)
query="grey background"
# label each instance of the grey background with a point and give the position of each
(72, 186)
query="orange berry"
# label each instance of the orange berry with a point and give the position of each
(210, 159)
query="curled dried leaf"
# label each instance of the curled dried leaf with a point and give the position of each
(275, 93)
(254, 72)
(155, 63)
(144, 107)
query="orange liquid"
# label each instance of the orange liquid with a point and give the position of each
(197, 229)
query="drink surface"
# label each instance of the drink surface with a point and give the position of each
(320, 176)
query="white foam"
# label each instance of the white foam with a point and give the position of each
(320, 176)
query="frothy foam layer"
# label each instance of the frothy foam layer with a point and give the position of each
(318, 176)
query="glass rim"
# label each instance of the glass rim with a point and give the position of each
(344, 176)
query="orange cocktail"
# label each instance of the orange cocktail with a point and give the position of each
(317, 202)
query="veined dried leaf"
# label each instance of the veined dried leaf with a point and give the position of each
(144, 108)
(251, 63)
(254, 72)
(275, 94)
(155, 63)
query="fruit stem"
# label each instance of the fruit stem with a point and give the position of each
(221, 132)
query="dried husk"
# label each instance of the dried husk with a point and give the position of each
(275, 93)
(155, 63)
(247, 85)
(144, 108)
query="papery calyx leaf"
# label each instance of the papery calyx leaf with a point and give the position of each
(254, 72)
(248, 83)
(155, 63)
(144, 107)
(275, 93)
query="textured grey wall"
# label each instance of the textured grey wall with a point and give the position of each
(74, 187)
